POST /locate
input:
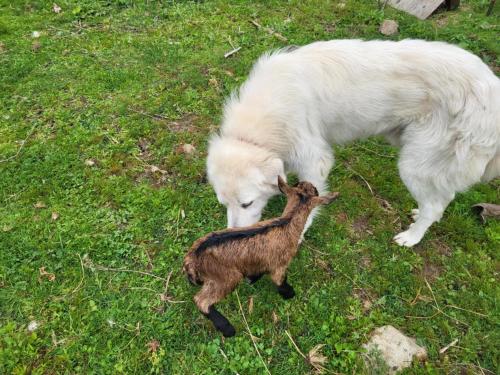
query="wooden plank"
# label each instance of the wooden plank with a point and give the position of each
(419, 8)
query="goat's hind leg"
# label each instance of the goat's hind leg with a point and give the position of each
(252, 279)
(284, 289)
(210, 294)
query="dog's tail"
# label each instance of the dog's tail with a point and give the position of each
(191, 270)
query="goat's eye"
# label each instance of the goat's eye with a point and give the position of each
(245, 205)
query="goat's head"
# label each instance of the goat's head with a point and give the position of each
(305, 192)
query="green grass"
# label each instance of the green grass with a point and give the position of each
(123, 84)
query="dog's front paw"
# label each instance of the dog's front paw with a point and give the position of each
(407, 238)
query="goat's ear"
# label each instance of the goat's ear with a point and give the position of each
(282, 185)
(326, 199)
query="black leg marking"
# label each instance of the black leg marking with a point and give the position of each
(285, 290)
(254, 278)
(220, 322)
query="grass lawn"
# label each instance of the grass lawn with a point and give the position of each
(99, 203)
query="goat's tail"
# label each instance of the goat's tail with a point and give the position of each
(191, 270)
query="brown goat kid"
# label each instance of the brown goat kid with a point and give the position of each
(220, 260)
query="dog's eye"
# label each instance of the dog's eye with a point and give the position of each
(245, 205)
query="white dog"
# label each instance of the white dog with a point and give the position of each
(439, 103)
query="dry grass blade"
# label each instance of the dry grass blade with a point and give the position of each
(453, 343)
(232, 52)
(23, 143)
(250, 333)
(316, 359)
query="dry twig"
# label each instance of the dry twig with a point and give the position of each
(20, 147)
(232, 52)
(443, 350)
(269, 31)
(250, 333)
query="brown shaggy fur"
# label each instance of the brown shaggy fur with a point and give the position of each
(220, 260)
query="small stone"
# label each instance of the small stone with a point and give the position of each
(33, 326)
(396, 349)
(54, 216)
(389, 27)
(35, 34)
(40, 205)
(89, 162)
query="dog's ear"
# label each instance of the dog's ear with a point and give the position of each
(282, 185)
(325, 199)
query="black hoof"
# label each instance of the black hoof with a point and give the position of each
(220, 322)
(287, 293)
(227, 331)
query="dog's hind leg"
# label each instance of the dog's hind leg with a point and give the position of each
(425, 174)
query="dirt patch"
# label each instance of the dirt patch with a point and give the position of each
(360, 227)
(365, 262)
(441, 248)
(431, 271)
(186, 123)
(342, 217)
(366, 297)
(144, 153)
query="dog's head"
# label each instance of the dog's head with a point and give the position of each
(243, 176)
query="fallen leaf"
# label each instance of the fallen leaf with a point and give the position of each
(316, 359)
(487, 209)
(55, 216)
(40, 205)
(389, 27)
(50, 276)
(7, 228)
(90, 162)
(56, 8)
(275, 317)
(155, 169)
(35, 46)
(153, 345)
(185, 149)
(2, 47)
(183, 214)
(250, 305)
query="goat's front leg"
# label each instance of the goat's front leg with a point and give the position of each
(211, 293)
(279, 279)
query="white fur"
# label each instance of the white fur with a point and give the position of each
(438, 102)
